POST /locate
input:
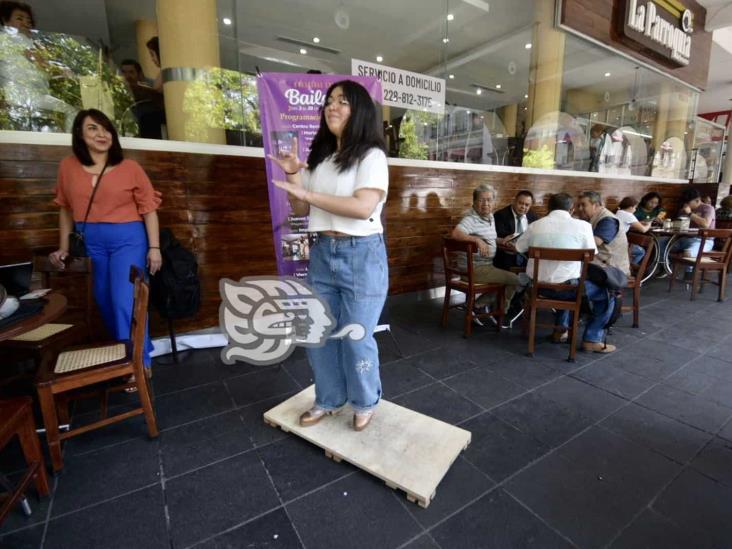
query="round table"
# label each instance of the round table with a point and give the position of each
(660, 262)
(54, 308)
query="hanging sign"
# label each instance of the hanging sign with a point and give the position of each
(405, 89)
(662, 26)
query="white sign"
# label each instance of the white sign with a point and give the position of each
(662, 29)
(405, 89)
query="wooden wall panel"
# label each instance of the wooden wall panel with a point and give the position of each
(218, 206)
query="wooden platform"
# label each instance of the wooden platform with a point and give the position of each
(405, 449)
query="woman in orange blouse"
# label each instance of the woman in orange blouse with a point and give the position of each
(122, 227)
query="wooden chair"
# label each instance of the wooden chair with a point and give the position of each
(16, 419)
(714, 260)
(457, 258)
(90, 365)
(537, 302)
(50, 338)
(638, 272)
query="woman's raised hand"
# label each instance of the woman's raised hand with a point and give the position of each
(289, 162)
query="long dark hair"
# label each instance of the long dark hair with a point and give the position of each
(362, 133)
(81, 151)
(646, 198)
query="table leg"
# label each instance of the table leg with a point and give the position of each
(32, 452)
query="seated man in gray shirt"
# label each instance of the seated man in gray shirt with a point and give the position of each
(478, 226)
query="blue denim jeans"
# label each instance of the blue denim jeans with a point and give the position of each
(690, 247)
(636, 254)
(113, 249)
(600, 303)
(351, 275)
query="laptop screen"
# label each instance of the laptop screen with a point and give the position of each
(16, 278)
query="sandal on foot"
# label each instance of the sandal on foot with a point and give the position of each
(361, 420)
(597, 347)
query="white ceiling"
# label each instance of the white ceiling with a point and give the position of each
(718, 95)
(484, 45)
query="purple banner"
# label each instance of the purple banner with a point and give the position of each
(289, 106)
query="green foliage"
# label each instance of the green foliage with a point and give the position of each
(411, 145)
(62, 59)
(542, 158)
(221, 98)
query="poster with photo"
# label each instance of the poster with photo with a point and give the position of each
(289, 106)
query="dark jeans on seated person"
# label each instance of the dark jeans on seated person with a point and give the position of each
(600, 304)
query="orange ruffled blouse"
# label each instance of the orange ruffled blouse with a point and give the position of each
(125, 194)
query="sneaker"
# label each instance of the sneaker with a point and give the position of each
(485, 309)
(512, 315)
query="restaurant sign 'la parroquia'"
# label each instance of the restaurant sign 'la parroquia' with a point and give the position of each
(662, 26)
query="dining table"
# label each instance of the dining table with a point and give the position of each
(663, 242)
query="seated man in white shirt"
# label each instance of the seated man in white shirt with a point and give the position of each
(559, 230)
(478, 226)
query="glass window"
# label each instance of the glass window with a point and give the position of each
(519, 92)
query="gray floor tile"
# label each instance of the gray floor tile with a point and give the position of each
(422, 542)
(260, 385)
(499, 449)
(359, 509)
(439, 402)
(657, 432)
(592, 487)
(273, 530)
(715, 461)
(650, 530)
(608, 375)
(209, 500)
(439, 363)
(192, 404)
(297, 467)
(462, 483)
(134, 520)
(400, 376)
(29, 538)
(700, 505)
(197, 444)
(706, 386)
(690, 409)
(484, 387)
(496, 521)
(107, 473)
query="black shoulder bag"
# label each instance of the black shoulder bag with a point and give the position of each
(77, 245)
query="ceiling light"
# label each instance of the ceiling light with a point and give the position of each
(316, 39)
(303, 51)
(379, 58)
(445, 40)
(478, 91)
(467, 112)
(527, 45)
(227, 21)
(452, 77)
(526, 96)
(450, 17)
(498, 86)
(607, 74)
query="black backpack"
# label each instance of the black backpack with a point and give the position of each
(175, 290)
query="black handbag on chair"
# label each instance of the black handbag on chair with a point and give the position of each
(77, 245)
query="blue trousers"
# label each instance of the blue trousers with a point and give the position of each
(601, 304)
(351, 275)
(113, 249)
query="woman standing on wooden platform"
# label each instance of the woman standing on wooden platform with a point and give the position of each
(343, 188)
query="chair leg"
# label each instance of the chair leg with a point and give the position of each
(50, 421)
(722, 283)
(32, 453)
(532, 331)
(694, 283)
(468, 322)
(446, 306)
(500, 302)
(143, 391)
(672, 278)
(573, 337)
(636, 305)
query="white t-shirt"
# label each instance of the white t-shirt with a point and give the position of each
(370, 173)
(626, 219)
(557, 230)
